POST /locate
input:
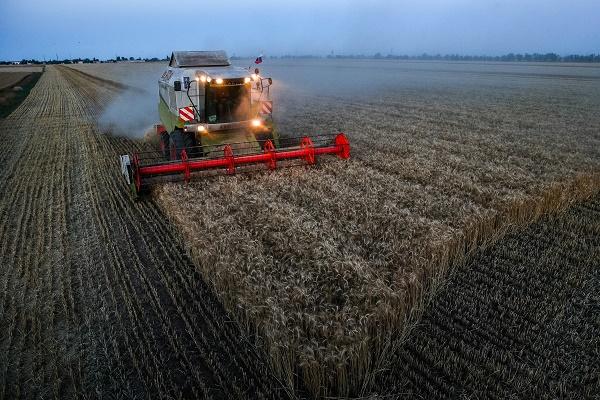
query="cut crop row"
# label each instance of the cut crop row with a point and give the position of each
(526, 306)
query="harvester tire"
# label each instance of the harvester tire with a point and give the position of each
(272, 136)
(179, 140)
(189, 142)
(176, 144)
(164, 144)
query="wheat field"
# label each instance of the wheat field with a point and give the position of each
(330, 265)
(520, 317)
(302, 282)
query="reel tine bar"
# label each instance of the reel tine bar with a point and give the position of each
(306, 151)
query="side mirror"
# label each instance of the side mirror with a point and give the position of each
(177, 86)
(270, 81)
(256, 71)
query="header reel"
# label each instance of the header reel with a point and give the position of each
(142, 169)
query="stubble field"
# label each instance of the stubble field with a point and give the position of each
(98, 300)
(519, 321)
(328, 268)
(9, 79)
(21, 68)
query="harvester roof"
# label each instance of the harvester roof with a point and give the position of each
(229, 72)
(183, 59)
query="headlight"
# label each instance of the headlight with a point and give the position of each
(203, 78)
(254, 77)
(208, 79)
(219, 81)
(201, 128)
(256, 123)
(246, 80)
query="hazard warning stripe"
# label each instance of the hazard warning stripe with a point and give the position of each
(186, 114)
(266, 107)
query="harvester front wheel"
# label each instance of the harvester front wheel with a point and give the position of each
(179, 140)
(176, 144)
(190, 143)
(164, 144)
(272, 136)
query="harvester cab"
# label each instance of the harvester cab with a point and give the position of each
(215, 116)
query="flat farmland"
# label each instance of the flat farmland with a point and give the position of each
(97, 299)
(521, 318)
(324, 270)
(333, 264)
(9, 79)
(21, 68)
(15, 84)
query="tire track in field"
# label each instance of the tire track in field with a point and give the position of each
(98, 298)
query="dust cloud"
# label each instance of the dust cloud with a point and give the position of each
(134, 111)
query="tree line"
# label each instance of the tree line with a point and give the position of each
(84, 60)
(511, 57)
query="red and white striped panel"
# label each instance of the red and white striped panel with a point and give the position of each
(266, 107)
(186, 114)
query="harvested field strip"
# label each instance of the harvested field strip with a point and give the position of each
(519, 317)
(10, 79)
(97, 294)
(21, 68)
(15, 93)
(79, 78)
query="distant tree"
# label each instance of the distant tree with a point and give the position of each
(526, 57)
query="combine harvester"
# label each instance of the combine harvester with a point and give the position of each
(218, 118)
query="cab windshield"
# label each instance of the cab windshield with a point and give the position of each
(227, 103)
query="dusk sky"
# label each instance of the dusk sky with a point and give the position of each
(105, 29)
